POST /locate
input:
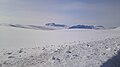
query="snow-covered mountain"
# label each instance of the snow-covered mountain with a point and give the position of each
(57, 26)
(99, 27)
(62, 26)
(74, 26)
(53, 26)
(81, 27)
(86, 27)
(36, 27)
(49, 26)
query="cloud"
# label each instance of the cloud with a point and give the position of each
(4, 1)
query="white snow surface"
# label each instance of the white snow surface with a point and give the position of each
(118, 28)
(57, 48)
(19, 37)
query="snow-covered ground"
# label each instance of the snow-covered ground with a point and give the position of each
(118, 28)
(19, 37)
(57, 48)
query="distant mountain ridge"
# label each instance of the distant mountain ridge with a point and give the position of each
(75, 26)
(53, 26)
(36, 27)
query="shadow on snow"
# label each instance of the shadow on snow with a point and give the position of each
(113, 62)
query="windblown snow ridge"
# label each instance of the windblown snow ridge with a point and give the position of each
(91, 54)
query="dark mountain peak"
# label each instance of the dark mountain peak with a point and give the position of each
(82, 27)
(55, 25)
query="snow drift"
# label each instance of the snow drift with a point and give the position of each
(118, 28)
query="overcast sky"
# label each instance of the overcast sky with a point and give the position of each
(93, 12)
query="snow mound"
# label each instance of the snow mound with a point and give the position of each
(118, 28)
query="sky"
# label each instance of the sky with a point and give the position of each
(71, 12)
